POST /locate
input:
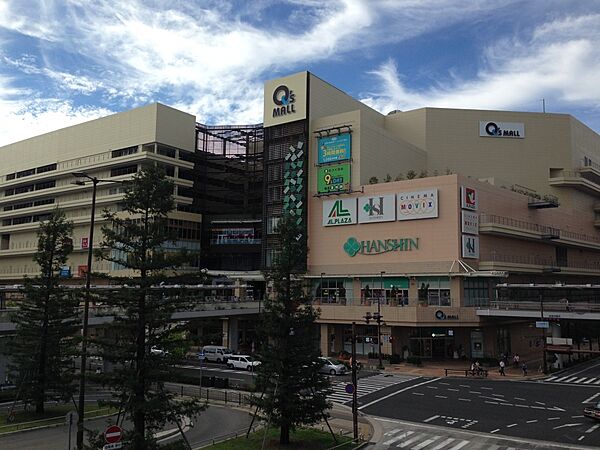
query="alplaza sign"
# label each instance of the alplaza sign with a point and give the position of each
(501, 129)
(355, 247)
(339, 212)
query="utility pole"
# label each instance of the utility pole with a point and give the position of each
(355, 384)
(545, 362)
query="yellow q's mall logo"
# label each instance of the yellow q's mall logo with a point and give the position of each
(284, 98)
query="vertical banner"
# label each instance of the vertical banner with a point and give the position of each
(334, 148)
(469, 198)
(470, 246)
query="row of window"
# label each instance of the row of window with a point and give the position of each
(124, 151)
(29, 172)
(45, 201)
(30, 188)
(25, 219)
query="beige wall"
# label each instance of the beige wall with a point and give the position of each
(438, 238)
(137, 126)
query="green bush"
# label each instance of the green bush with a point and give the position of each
(414, 360)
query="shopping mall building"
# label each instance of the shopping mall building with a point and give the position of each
(473, 233)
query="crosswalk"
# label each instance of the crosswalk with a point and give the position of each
(425, 440)
(570, 379)
(366, 386)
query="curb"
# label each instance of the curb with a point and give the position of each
(53, 425)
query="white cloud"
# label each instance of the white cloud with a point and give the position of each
(560, 62)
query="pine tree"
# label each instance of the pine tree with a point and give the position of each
(141, 342)
(294, 392)
(46, 323)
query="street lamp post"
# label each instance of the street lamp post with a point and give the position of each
(321, 288)
(86, 304)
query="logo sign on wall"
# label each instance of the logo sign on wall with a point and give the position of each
(468, 198)
(285, 99)
(355, 247)
(379, 208)
(334, 148)
(470, 246)
(418, 205)
(339, 212)
(334, 178)
(470, 222)
(488, 128)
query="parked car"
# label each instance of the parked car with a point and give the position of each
(216, 353)
(243, 362)
(332, 366)
(592, 411)
(158, 351)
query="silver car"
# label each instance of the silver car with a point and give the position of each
(332, 366)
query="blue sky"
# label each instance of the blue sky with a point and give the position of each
(63, 62)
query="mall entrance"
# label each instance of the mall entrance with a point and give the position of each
(432, 343)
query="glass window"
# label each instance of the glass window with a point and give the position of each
(125, 170)
(124, 151)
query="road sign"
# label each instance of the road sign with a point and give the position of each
(201, 356)
(542, 324)
(349, 388)
(114, 446)
(113, 434)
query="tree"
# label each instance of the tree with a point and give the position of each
(399, 177)
(46, 323)
(294, 392)
(387, 178)
(411, 174)
(142, 343)
(373, 180)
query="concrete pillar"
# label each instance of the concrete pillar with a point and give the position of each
(233, 334)
(225, 333)
(324, 344)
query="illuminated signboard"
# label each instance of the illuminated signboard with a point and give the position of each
(334, 148)
(331, 179)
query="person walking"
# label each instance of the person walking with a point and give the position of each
(516, 360)
(502, 365)
(524, 367)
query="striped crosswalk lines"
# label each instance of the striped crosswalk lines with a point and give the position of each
(573, 380)
(366, 386)
(403, 437)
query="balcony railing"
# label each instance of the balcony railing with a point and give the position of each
(543, 261)
(549, 307)
(388, 301)
(520, 224)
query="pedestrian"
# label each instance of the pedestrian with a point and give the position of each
(516, 359)
(477, 368)
(524, 367)
(502, 364)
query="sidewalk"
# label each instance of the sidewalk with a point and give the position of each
(341, 423)
(436, 369)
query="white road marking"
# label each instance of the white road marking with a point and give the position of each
(567, 425)
(511, 425)
(459, 445)
(474, 392)
(445, 384)
(550, 379)
(440, 396)
(553, 418)
(453, 390)
(398, 437)
(522, 406)
(540, 403)
(519, 398)
(413, 439)
(532, 421)
(577, 417)
(431, 418)
(597, 382)
(581, 438)
(589, 400)
(394, 431)
(570, 379)
(487, 388)
(589, 430)
(589, 381)
(561, 378)
(431, 387)
(417, 393)
(538, 407)
(498, 395)
(464, 385)
(583, 370)
(491, 403)
(579, 380)
(495, 431)
(464, 399)
(443, 444)
(425, 443)
(399, 392)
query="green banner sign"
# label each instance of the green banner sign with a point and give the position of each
(334, 178)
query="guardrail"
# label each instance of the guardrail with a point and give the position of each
(481, 373)
(548, 306)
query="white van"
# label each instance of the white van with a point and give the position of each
(216, 353)
(243, 362)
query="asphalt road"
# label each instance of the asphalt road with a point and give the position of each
(533, 410)
(587, 373)
(213, 423)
